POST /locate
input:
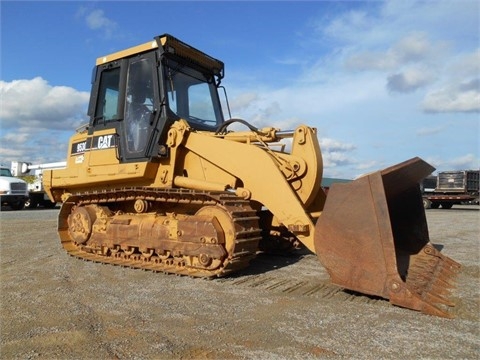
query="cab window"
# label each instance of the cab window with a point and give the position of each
(108, 96)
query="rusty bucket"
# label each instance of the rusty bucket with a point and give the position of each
(372, 237)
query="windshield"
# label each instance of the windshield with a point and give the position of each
(193, 96)
(5, 172)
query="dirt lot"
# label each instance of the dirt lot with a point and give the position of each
(55, 307)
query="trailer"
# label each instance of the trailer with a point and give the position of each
(450, 188)
(34, 175)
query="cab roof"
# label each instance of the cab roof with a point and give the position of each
(169, 45)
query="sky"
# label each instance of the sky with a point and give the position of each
(381, 81)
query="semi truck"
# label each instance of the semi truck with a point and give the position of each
(449, 188)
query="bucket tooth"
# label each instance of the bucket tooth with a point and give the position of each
(452, 265)
(440, 289)
(435, 298)
(428, 305)
(445, 282)
(372, 237)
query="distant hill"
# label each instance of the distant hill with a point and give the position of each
(327, 182)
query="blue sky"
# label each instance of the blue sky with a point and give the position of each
(382, 81)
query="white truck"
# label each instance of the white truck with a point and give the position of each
(13, 191)
(36, 193)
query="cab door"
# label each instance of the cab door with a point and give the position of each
(141, 93)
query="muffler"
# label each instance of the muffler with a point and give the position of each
(372, 237)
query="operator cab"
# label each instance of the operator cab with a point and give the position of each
(142, 91)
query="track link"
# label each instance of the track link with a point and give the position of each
(243, 217)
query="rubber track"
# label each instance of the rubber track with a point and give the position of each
(243, 216)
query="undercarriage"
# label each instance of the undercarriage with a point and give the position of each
(186, 232)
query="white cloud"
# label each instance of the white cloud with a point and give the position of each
(464, 97)
(34, 103)
(335, 153)
(347, 27)
(334, 159)
(97, 20)
(409, 80)
(37, 119)
(411, 48)
(412, 63)
(9, 154)
(18, 137)
(365, 61)
(465, 65)
(372, 164)
(462, 162)
(34, 145)
(432, 130)
(333, 145)
(259, 108)
(243, 101)
(417, 47)
(459, 88)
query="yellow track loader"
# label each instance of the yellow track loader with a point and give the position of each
(159, 180)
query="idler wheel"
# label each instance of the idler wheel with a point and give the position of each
(225, 228)
(80, 223)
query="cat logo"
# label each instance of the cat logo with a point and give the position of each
(104, 142)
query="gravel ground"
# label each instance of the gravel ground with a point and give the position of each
(56, 307)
